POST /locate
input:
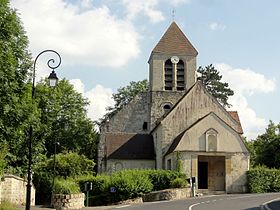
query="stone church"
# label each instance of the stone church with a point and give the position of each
(176, 117)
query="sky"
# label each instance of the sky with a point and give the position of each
(105, 44)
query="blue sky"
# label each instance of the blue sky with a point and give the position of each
(106, 44)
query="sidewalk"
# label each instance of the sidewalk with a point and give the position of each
(272, 205)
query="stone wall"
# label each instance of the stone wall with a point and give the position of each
(169, 194)
(13, 189)
(73, 201)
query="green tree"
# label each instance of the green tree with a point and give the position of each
(267, 147)
(15, 104)
(63, 121)
(211, 79)
(3, 153)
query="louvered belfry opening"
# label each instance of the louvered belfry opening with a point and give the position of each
(180, 75)
(168, 77)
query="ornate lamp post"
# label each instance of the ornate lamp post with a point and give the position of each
(52, 64)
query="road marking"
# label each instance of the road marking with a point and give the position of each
(233, 198)
(266, 204)
(119, 207)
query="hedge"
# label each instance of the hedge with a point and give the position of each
(262, 180)
(128, 184)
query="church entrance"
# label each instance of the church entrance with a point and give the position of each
(202, 175)
(211, 173)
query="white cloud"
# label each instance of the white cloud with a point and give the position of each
(145, 7)
(91, 36)
(99, 98)
(214, 26)
(178, 2)
(246, 82)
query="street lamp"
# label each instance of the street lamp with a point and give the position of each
(52, 64)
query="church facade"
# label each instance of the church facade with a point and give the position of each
(177, 119)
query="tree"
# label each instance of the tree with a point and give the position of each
(211, 79)
(63, 121)
(123, 96)
(15, 62)
(267, 147)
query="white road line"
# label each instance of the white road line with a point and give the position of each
(119, 207)
(266, 203)
(190, 208)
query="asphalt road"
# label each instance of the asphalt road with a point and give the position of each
(215, 202)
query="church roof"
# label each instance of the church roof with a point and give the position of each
(175, 41)
(129, 146)
(234, 115)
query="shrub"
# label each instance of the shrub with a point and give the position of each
(68, 186)
(131, 184)
(261, 180)
(6, 205)
(178, 183)
(161, 179)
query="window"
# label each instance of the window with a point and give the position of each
(168, 164)
(168, 77)
(211, 140)
(180, 75)
(166, 106)
(145, 126)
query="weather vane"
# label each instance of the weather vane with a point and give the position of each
(173, 14)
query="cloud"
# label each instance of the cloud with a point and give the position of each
(214, 26)
(83, 34)
(136, 7)
(99, 98)
(246, 82)
(178, 2)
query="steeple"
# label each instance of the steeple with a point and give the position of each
(174, 41)
(173, 62)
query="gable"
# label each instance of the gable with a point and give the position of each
(197, 137)
(194, 105)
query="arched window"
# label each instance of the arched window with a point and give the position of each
(168, 77)
(211, 140)
(180, 75)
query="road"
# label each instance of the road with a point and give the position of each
(215, 202)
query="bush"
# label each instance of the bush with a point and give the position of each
(262, 180)
(161, 179)
(178, 183)
(68, 186)
(6, 205)
(130, 184)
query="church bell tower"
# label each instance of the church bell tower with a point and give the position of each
(172, 71)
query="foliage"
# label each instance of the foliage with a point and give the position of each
(262, 180)
(68, 186)
(161, 179)
(15, 105)
(178, 183)
(67, 165)
(130, 184)
(266, 148)
(64, 120)
(123, 96)
(211, 78)
(179, 163)
(6, 205)
(3, 153)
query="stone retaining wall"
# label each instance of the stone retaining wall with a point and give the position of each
(13, 189)
(169, 194)
(63, 202)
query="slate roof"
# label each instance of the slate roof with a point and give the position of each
(130, 146)
(234, 115)
(175, 41)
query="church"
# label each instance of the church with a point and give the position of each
(177, 119)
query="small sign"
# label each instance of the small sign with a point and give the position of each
(113, 189)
